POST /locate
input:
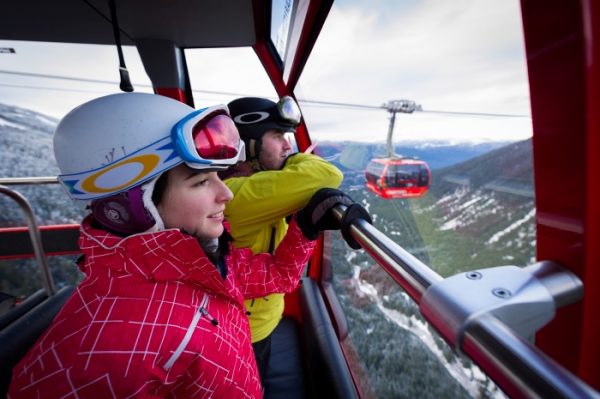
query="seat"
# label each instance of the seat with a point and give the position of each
(17, 311)
(19, 336)
(285, 377)
(21, 326)
(327, 368)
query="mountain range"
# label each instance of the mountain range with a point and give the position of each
(479, 212)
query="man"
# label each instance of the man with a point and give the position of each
(270, 185)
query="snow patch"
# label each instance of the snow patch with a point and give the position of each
(510, 228)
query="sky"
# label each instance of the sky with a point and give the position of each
(460, 56)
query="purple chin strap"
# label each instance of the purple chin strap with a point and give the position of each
(123, 213)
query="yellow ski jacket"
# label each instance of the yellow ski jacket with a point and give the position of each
(257, 218)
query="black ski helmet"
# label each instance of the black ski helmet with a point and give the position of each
(253, 116)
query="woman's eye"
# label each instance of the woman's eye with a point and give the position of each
(200, 182)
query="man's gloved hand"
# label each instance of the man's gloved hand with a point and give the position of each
(317, 216)
(352, 213)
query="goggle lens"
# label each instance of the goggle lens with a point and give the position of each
(289, 110)
(216, 139)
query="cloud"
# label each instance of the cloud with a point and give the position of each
(457, 56)
(75, 61)
(460, 55)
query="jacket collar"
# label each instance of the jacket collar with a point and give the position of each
(167, 255)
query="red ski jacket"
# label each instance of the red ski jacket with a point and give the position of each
(154, 318)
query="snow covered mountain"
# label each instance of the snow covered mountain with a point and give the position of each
(479, 212)
(26, 151)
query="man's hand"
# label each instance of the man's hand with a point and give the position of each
(317, 215)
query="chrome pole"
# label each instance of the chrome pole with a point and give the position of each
(35, 235)
(489, 328)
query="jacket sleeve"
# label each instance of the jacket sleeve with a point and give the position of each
(262, 274)
(265, 197)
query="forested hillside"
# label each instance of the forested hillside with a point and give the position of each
(479, 213)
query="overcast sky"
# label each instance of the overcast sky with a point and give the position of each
(457, 56)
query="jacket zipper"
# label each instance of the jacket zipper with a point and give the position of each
(202, 311)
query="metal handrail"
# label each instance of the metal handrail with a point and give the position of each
(494, 337)
(11, 181)
(35, 235)
(520, 369)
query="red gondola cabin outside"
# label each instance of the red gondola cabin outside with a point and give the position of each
(397, 177)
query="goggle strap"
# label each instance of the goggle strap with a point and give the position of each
(252, 148)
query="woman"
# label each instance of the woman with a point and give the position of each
(160, 312)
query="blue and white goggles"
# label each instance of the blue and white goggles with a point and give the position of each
(202, 140)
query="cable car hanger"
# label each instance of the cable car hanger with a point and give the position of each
(396, 176)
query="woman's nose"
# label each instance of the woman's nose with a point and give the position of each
(225, 194)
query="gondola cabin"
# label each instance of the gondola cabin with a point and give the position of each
(361, 324)
(392, 178)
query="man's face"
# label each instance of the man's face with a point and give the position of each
(274, 150)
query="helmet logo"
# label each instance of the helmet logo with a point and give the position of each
(112, 214)
(251, 117)
(116, 212)
(122, 174)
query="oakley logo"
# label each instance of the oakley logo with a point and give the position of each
(251, 117)
(120, 175)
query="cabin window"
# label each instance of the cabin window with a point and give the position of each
(423, 177)
(375, 168)
(216, 78)
(281, 16)
(39, 84)
(447, 56)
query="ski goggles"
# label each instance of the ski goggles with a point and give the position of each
(211, 139)
(204, 139)
(289, 111)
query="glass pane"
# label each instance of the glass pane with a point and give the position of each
(375, 168)
(465, 67)
(217, 78)
(39, 84)
(281, 13)
(20, 278)
(53, 78)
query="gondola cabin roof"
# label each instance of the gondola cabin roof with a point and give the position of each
(189, 24)
(159, 29)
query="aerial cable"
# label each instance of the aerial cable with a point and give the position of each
(51, 88)
(337, 104)
(418, 109)
(302, 101)
(59, 77)
(125, 84)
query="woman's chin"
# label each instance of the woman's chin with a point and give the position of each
(214, 232)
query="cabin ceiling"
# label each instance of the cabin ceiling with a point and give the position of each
(187, 23)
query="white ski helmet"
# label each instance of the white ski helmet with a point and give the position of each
(111, 150)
